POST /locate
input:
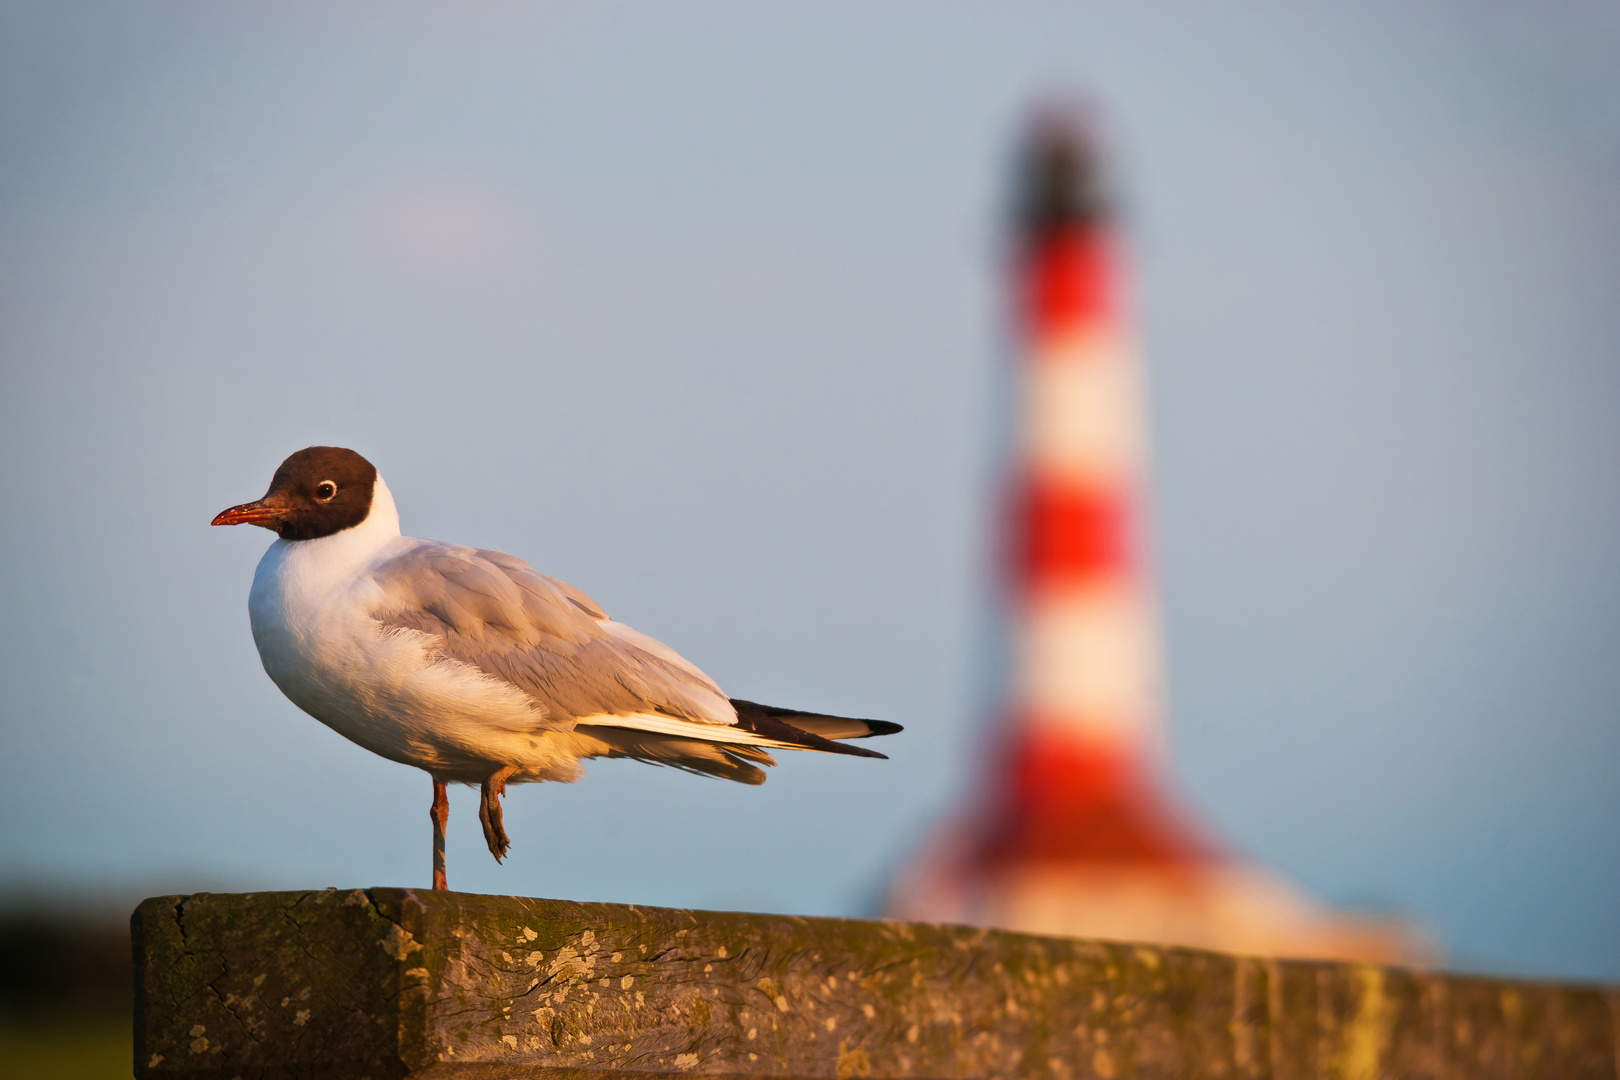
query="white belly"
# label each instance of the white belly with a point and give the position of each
(385, 689)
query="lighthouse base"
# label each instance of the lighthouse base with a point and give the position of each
(1226, 906)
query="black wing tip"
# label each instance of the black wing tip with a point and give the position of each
(878, 727)
(778, 722)
(841, 746)
(772, 719)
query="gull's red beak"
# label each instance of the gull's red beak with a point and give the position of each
(258, 512)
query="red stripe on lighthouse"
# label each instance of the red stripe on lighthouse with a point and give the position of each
(1069, 279)
(1068, 800)
(1068, 534)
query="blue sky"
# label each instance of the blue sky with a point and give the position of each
(697, 307)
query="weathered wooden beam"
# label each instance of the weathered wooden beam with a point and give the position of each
(397, 983)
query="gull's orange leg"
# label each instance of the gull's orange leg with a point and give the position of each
(441, 816)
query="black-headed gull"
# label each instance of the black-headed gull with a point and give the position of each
(473, 665)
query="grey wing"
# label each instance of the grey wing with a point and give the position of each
(499, 614)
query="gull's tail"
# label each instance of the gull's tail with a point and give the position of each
(730, 751)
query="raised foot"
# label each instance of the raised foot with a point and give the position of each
(489, 812)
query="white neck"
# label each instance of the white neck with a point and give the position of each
(347, 551)
(383, 521)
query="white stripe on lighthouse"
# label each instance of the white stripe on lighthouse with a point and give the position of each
(1080, 408)
(1087, 660)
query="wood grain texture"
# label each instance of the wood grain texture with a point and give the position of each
(398, 983)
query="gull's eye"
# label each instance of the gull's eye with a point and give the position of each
(326, 491)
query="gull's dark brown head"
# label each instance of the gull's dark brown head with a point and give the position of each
(318, 491)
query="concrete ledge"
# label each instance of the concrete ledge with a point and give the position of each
(398, 983)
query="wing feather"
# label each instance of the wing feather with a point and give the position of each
(500, 615)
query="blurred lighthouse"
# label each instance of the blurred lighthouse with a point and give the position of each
(1074, 831)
